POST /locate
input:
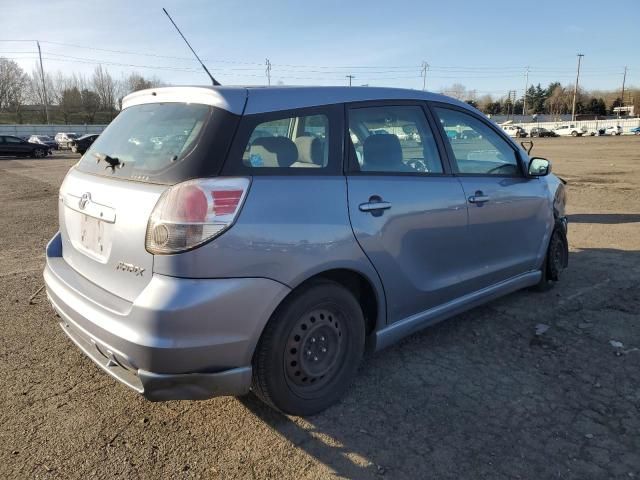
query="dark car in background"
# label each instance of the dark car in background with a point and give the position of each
(43, 140)
(82, 144)
(542, 132)
(17, 147)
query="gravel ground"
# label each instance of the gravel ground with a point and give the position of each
(478, 396)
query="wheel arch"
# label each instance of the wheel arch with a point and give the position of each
(365, 287)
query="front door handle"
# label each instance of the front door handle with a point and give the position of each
(479, 197)
(374, 206)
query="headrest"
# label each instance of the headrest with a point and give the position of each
(382, 151)
(310, 150)
(272, 152)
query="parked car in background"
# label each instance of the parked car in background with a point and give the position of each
(589, 132)
(18, 147)
(224, 261)
(514, 131)
(44, 140)
(567, 131)
(64, 139)
(635, 130)
(541, 132)
(611, 130)
(82, 144)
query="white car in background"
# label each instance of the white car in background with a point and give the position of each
(612, 130)
(514, 131)
(568, 131)
(64, 139)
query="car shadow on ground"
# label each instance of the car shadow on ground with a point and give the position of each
(605, 218)
(483, 395)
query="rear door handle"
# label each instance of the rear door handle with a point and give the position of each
(373, 206)
(478, 198)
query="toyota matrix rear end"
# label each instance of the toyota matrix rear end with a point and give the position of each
(147, 187)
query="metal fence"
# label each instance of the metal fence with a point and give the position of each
(28, 130)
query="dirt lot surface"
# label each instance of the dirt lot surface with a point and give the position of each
(478, 396)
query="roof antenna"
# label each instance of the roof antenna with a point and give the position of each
(213, 80)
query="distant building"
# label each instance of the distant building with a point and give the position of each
(624, 111)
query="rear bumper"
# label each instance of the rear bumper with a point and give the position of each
(179, 339)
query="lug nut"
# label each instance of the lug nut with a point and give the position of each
(322, 339)
(323, 349)
(313, 339)
(315, 359)
(308, 353)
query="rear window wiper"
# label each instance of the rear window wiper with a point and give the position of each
(112, 161)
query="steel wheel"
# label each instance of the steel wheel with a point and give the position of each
(39, 153)
(314, 348)
(310, 349)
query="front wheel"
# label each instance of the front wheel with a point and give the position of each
(555, 261)
(310, 350)
(74, 149)
(39, 153)
(574, 134)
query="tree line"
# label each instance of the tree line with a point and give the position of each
(73, 98)
(556, 99)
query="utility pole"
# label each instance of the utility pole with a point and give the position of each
(350, 77)
(624, 80)
(268, 71)
(575, 89)
(44, 85)
(524, 97)
(423, 72)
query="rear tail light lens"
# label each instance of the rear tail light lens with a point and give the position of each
(193, 212)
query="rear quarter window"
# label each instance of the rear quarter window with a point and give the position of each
(304, 142)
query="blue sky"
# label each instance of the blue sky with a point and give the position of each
(484, 45)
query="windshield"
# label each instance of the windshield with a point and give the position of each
(147, 140)
(44, 138)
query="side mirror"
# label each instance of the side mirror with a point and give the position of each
(539, 167)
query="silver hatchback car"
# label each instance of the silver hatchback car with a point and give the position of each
(219, 240)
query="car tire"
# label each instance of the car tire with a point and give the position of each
(574, 134)
(39, 153)
(74, 149)
(554, 261)
(310, 349)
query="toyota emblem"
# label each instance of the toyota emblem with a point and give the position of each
(86, 197)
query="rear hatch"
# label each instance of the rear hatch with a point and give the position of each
(103, 224)
(106, 200)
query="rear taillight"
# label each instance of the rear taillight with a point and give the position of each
(193, 212)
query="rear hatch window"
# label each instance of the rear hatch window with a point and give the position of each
(161, 143)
